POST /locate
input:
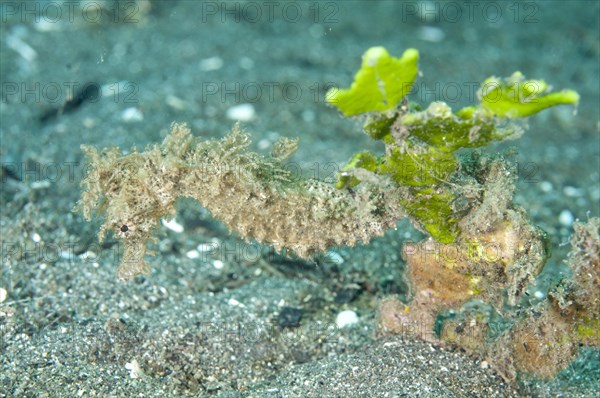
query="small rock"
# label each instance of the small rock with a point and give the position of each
(289, 317)
(346, 295)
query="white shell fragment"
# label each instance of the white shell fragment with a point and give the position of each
(134, 369)
(346, 318)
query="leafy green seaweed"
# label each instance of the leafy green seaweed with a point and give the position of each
(379, 85)
(515, 97)
(421, 144)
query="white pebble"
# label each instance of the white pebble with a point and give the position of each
(218, 264)
(566, 218)
(235, 303)
(572, 191)
(242, 112)
(539, 295)
(3, 294)
(175, 102)
(173, 225)
(132, 114)
(212, 63)
(346, 318)
(431, 34)
(192, 254)
(546, 186)
(36, 237)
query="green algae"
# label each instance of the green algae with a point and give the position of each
(379, 85)
(421, 145)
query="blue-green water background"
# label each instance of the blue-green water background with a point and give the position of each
(281, 57)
